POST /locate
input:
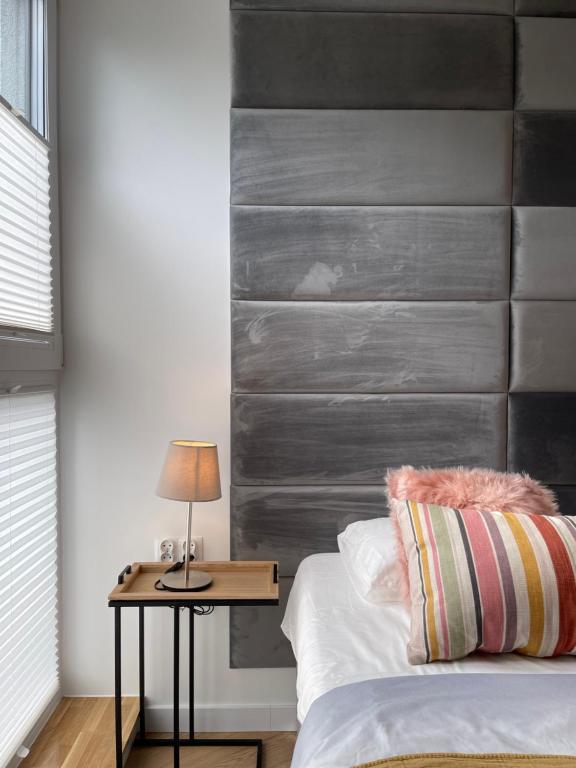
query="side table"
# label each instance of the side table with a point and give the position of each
(234, 583)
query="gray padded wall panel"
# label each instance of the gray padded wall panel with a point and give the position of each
(371, 60)
(544, 253)
(546, 7)
(352, 217)
(289, 523)
(352, 439)
(403, 6)
(368, 253)
(543, 346)
(566, 496)
(546, 64)
(541, 429)
(545, 158)
(412, 157)
(370, 346)
(256, 640)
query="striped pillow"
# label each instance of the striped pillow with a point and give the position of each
(488, 581)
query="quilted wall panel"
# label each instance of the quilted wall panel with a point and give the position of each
(371, 253)
(546, 8)
(543, 346)
(566, 496)
(372, 60)
(385, 6)
(256, 639)
(378, 232)
(370, 346)
(343, 439)
(542, 429)
(544, 253)
(371, 157)
(545, 158)
(546, 64)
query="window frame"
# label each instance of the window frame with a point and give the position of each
(25, 364)
(36, 97)
(37, 64)
(22, 349)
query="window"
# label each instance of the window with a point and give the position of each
(29, 321)
(30, 356)
(15, 54)
(22, 64)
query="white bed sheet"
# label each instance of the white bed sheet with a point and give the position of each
(338, 638)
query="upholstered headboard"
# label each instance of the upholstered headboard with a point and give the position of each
(403, 261)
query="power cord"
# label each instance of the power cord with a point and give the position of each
(199, 610)
(176, 567)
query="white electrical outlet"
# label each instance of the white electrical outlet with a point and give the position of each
(196, 548)
(165, 550)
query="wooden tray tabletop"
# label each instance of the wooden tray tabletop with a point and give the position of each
(233, 583)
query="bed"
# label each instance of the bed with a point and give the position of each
(359, 700)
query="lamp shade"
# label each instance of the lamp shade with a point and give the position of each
(190, 472)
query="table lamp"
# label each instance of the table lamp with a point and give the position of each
(190, 473)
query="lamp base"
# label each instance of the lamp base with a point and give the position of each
(175, 581)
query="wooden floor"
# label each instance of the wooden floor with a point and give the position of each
(278, 748)
(80, 734)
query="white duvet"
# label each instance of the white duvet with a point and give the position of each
(338, 638)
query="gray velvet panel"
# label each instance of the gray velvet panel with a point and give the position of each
(566, 496)
(256, 640)
(367, 253)
(546, 73)
(541, 430)
(544, 253)
(543, 346)
(370, 346)
(311, 224)
(404, 6)
(289, 523)
(372, 60)
(546, 7)
(545, 158)
(411, 157)
(353, 439)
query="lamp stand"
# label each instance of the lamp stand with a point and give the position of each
(186, 580)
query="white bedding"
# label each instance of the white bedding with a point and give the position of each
(339, 639)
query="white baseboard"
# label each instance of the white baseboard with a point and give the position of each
(257, 717)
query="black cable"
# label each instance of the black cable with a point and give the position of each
(176, 567)
(199, 610)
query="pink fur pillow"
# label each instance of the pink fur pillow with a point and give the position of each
(467, 489)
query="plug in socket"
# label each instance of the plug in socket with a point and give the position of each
(166, 551)
(196, 548)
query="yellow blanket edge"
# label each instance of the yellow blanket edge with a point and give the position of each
(441, 759)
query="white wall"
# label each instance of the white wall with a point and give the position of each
(144, 134)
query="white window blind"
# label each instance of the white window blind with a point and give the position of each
(28, 564)
(26, 296)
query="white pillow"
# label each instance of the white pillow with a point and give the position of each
(368, 550)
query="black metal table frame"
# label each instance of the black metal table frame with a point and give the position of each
(176, 741)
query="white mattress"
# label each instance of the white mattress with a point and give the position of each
(338, 638)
